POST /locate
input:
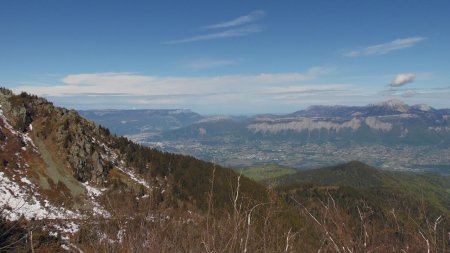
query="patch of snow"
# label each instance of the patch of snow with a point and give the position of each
(65, 247)
(6, 123)
(100, 211)
(394, 104)
(92, 191)
(179, 111)
(16, 201)
(26, 181)
(25, 138)
(423, 107)
(67, 228)
(133, 176)
(71, 248)
(121, 235)
(54, 234)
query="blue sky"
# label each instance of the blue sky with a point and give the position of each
(233, 57)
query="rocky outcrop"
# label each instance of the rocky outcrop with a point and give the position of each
(304, 124)
(71, 135)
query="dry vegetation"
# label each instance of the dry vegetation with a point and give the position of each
(269, 226)
(276, 224)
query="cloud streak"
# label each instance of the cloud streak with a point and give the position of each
(402, 79)
(249, 18)
(135, 84)
(238, 27)
(238, 32)
(201, 64)
(385, 48)
(409, 93)
(224, 92)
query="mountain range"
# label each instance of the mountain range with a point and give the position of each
(390, 122)
(385, 134)
(142, 122)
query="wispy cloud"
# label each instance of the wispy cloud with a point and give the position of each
(305, 89)
(238, 32)
(238, 27)
(385, 48)
(200, 64)
(409, 93)
(249, 18)
(95, 90)
(135, 84)
(402, 79)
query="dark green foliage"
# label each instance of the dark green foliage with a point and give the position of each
(355, 181)
(25, 110)
(104, 130)
(354, 174)
(2, 136)
(191, 177)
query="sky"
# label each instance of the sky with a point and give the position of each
(226, 57)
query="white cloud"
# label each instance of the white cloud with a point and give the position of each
(250, 93)
(409, 93)
(238, 32)
(209, 64)
(402, 79)
(249, 18)
(144, 85)
(385, 48)
(306, 89)
(110, 78)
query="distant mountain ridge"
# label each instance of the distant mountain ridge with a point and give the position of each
(387, 134)
(390, 122)
(142, 121)
(389, 107)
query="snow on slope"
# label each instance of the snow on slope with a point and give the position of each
(18, 200)
(110, 155)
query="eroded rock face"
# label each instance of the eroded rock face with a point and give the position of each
(83, 156)
(304, 124)
(24, 118)
(71, 135)
(377, 124)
